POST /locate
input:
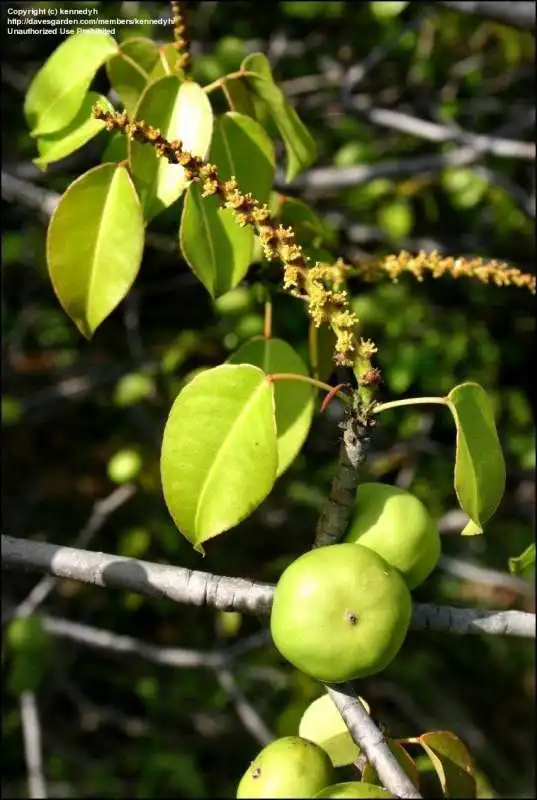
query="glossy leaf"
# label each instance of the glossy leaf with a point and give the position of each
(479, 464)
(129, 71)
(75, 135)
(519, 564)
(453, 763)
(323, 724)
(219, 450)
(180, 111)
(167, 60)
(59, 88)
(299, 144)
(307, 225)
(293, 400)
(94, 245)
(369, 773)
(238, 96)
(216, 248)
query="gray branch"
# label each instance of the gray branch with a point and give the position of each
(520, 14)
(372, 741)
(469, 620)
(31, 732)
(201, 588)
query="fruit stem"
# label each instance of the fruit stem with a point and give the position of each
(267, 322)
(291, 376)
(409, 401)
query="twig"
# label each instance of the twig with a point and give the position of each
(18, 190)
(31, 732)
(100, 513)
(485, 576)
(434, 132)
(247, 714)
(520, 14)
(200, 588)
(372, 741)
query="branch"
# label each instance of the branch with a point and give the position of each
(154, 580)
(519, 15)
(372, 741)
(102, 509)
(31, 731)
(468, 620)
(201, 588)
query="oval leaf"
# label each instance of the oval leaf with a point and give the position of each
(453, 763)
(95, 242)
(215, 247)
(323, 724)
(518, 565)
(299, 143)
(479, 464)
(293, 400)
(129, 70)
(180, 111)
(369, 773)
(219, 452)
(58, 90)
(238, 96)
(80, 130)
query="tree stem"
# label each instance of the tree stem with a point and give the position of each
(410, 401)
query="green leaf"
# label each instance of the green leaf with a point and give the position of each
(299, 143)
(219, 451)
(129, 71)
(215, 247)
(30, 649)
(322, 724)
(519, 564)
(307, 225)
(453, 763)
(383, 9)
(59, 88)
(167, 59)
(95, 243)
(180, 111)
(293, 400)
(116, 148)
(238, 96)
(82, 128)
(479, 464)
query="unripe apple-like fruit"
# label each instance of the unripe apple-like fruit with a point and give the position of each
(354, 789)
(398, 527)
(340, 612)
(288, 767)
(323, 724)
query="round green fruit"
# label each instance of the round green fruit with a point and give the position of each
(340, 612)
(354, 789)
(323, 724)
(398, 527)
(288, 767)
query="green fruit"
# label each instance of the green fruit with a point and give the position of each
(398, 527)
(340, 612)
(323, 724)
(288, 767)
(354, 789)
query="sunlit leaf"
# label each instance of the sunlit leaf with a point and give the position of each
(82, 128)
(94, 245)
(181, 111)
(299, 143)
(129, 71)
(293, 400)
(219, 450)
(216, 248)
(453, 763)
(519, 564)
(479, 464)
(59, 88)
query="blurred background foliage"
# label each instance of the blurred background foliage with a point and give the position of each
(79, 418)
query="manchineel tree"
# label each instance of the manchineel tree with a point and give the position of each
(338, 613)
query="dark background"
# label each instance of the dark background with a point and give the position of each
(116, 725)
